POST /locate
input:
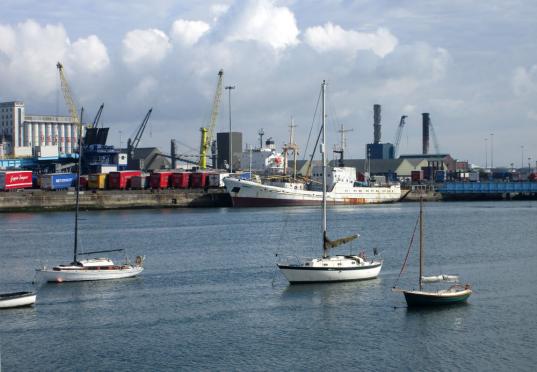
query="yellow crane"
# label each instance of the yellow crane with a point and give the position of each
(207, 133)
(68, 96)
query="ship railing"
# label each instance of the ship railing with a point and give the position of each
(292, 260)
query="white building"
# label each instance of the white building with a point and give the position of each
(21, 133)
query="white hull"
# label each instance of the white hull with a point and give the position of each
(330, 269)
(17, 300)
(85, 274)
(252, 194)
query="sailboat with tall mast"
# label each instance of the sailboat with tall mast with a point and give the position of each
(421, 297)
(90, 268)
(329, 268)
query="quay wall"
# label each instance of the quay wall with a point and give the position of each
(39, 200)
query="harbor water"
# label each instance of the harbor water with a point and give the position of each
(211, 297)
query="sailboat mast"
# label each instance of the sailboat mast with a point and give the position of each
(323, 152)
(422, 258)
(79, 129)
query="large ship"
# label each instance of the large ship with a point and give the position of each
(343, 188)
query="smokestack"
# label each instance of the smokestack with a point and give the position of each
(426, 120)
(173, 154)
(376, 124)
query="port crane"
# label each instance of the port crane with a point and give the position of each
(132, 145)
(68, 96)
(98, 117)
(207, 133)
(398, 135)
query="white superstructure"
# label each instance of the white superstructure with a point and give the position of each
(265, 160)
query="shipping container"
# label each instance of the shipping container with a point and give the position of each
(216, 179)
(198, 180)
(57, 181)
(107, 168)
(10, 180)
(97, 181)
(46, 152)
(473, 176)
(140, 182)
(121, 180)
(427, 173)
(440, 176)
(180, 180)
(416, 176)
(160, 180)
(83, 182)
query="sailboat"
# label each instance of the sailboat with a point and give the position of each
(454, 294)
(329, 268)
(91, 268)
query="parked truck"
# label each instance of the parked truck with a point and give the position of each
(11, 180)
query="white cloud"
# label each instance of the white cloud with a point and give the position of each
(332, 37)
(144, 88)
(217, 10)
(263, 22)
(89, 54)
(524, 81)
(145, 46)
(532, 114)
(29, 53)
(188, 32)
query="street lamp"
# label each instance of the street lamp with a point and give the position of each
(486, 153)
(492, 150)
(229, 88)
(522, 157)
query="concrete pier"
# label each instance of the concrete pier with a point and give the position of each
(40, 200)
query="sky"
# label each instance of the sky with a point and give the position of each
(471, 64)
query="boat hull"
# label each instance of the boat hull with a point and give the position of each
(79, 275)
(251, 194)
(305, 275)
(426, 299)
(17, 299)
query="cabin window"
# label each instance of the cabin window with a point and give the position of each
(325, 264)
(353, 263)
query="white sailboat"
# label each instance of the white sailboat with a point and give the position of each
(329, 268)
(91, 268)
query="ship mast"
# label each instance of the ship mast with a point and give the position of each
(323, 152)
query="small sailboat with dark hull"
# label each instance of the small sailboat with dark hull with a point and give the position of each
(329, 268)
(455, 294)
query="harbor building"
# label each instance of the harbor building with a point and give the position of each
(23, 135)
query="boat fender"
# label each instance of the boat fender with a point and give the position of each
(139, 261)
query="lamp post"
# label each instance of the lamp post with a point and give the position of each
(229, 88)
(522, 157)
(486, 153)
(492, 150)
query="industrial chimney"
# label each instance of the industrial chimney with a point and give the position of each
(426, 120)
(376, 124)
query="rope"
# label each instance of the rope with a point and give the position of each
(407, 253)
(311, 127)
